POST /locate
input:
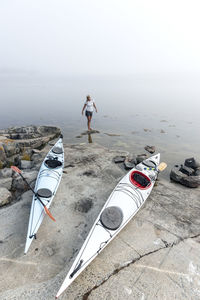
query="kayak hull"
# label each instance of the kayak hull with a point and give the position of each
(48, 180)
(127, 197)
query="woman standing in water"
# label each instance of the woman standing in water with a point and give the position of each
(89, 105)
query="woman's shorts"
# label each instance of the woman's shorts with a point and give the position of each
(88, 113)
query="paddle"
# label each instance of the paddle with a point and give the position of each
(17, 170)
(162, 166)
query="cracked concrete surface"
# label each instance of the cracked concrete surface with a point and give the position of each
(156, 256)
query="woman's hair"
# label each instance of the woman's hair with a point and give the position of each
(88, 97)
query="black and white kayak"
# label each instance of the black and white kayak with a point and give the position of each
(47, 183)
(124, 202)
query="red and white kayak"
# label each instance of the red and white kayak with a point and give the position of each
(47, 183)
(124, 202)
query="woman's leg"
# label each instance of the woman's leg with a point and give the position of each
(89, 122)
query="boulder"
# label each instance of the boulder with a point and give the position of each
(6, 172)
(25, 164)
(119, 159)
(191, 181)
(186, 170)
(5, 196)
(140, 158)
(129, 163)
(192, 163)
(19, 185)
(183, 178)
(176, 174)
(150, 149)
(197, 172)
(6, 182)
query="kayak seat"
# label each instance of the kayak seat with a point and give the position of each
(57, 150)
(140, 180)
(44, 193)
(111, 217)
(52, 163)
(149, 163)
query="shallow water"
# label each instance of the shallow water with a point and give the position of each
(134, 111)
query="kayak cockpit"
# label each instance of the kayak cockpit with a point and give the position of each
(52, 163)
(140, 180)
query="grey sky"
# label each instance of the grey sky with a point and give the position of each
(99, 36)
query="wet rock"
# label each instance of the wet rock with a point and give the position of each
(92, 131)
(192, 163)
(140, 158)
(176, 175)
(147, 130)
(186, 170)
(197, 172)
(191, 181)
(119, 159)
(5, 196)
(183, 178)
(129, 163)
(111, 134)
(150, 149)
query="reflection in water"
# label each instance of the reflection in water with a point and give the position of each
(89, 138)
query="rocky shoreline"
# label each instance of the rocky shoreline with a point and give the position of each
(22, 147)
(155, 256)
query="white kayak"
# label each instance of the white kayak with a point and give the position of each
(47, 183)
(124, 202)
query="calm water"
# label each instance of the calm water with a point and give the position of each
(160, 110)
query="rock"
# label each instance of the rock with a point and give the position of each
(119, 159)
(197, 172)
(25, 164)
(129, 163)
(6, 182)
(162, 131)
(176, 175)
(31, 132)
(140, 158)
(192, 163)
(5, 196)
(37, 157)
(92, 131)
(6, 172)
(150, 149)
(19, 185)
(191, 181)
(186, 170)
(2, 152)
(112, 134)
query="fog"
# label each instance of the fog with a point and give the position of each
(140, 56)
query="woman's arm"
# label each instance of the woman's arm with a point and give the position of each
(95, 106)
(84, 106)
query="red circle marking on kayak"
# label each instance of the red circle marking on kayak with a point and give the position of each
(134, 182)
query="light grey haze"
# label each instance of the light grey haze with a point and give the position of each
(99, 36)
(131, 56)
